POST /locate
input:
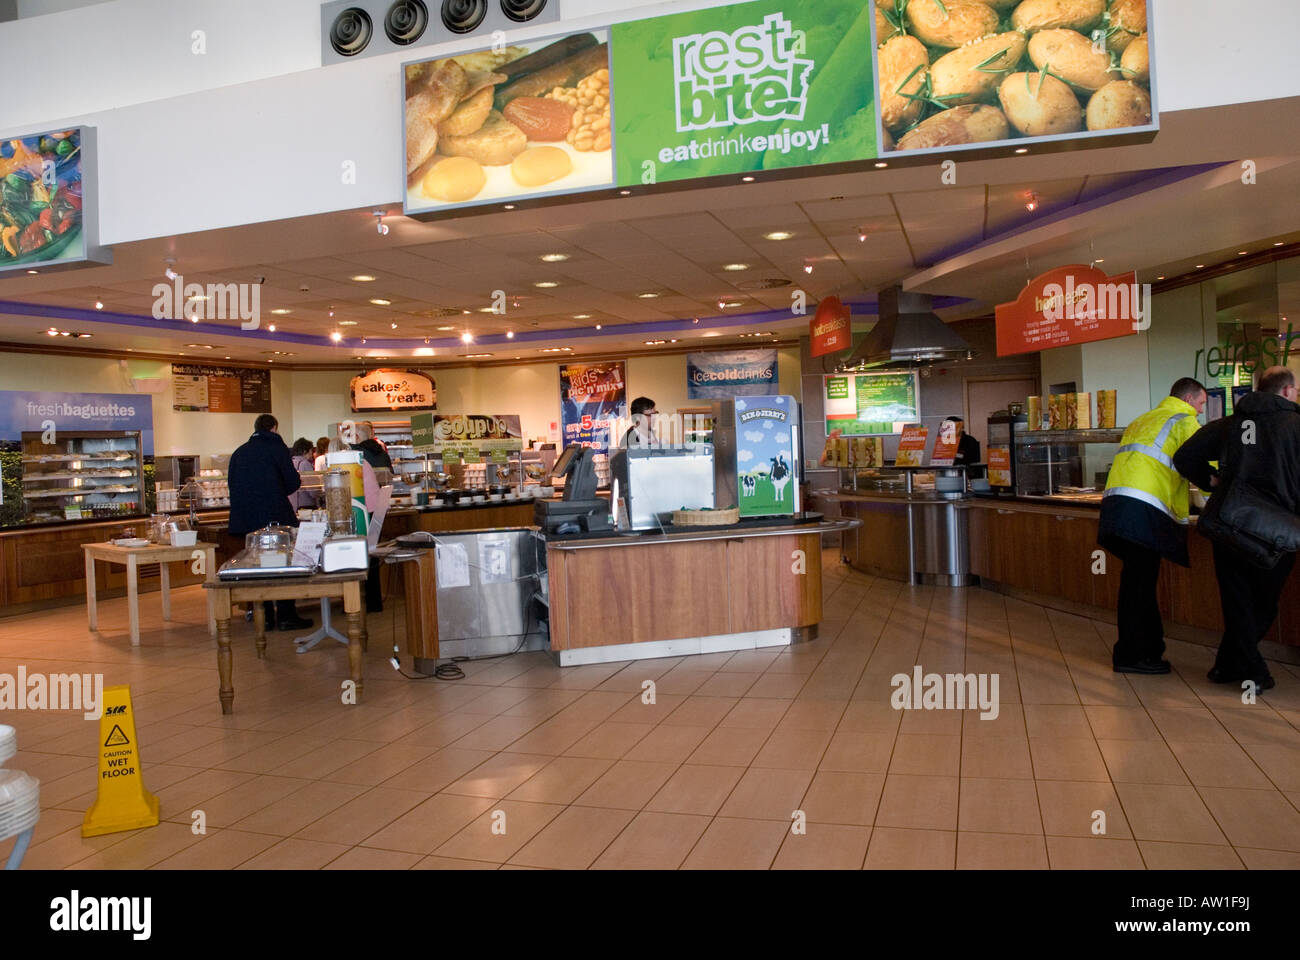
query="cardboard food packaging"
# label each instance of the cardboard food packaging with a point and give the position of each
(1034, 413)
(1071, 418)
(1083, 411)
(1056, 411)
(1106, 404)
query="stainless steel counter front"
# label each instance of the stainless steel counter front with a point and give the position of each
(920, 537)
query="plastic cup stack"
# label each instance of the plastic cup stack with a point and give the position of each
(8, 743)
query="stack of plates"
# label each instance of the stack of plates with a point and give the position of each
(20, 802)
(8, 743)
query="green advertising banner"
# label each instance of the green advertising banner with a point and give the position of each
(870, 404)
(754, 86)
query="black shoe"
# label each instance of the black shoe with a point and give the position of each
(297, 623)
(1265, 683)
(1147, 667)
(1217, 675)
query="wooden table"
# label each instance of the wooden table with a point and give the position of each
(346, 586)
(135, 557)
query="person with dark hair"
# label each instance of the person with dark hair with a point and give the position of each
(968, 448)
(1144, 519)
(261, 476)
(641, 433)
(1259, 445)
(304, 459)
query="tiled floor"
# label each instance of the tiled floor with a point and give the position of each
(527, 765)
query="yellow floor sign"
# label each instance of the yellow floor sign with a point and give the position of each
(123, 803)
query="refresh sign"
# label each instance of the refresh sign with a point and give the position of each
(393, 390)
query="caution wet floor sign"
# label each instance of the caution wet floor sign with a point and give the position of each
(122, 802)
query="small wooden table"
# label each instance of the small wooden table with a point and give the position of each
(347, 586)
(133, 558)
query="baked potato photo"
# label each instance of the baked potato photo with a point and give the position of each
(959, 72)
(501, 123)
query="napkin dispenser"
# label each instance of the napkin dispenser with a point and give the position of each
(338, 554)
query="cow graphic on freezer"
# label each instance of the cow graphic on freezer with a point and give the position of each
(748, 484)
(780, 477)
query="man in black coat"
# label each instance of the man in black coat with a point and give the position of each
(261, 476)
(1260, 444)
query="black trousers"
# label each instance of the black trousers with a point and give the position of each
(1141, 631)
(1250, 597)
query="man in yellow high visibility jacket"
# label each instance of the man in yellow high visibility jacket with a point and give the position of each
(1144, 519)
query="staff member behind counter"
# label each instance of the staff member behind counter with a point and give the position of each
(641, 433)
(968, 448)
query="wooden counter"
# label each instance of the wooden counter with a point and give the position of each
(1045, 552)
(685, 592)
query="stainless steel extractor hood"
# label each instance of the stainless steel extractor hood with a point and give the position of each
(908, 334)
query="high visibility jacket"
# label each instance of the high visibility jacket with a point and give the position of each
(1143, 467)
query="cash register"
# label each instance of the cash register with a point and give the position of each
(579, 510)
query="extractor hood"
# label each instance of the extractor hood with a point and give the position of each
(908, 334)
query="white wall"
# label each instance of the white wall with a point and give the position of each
(254, 130)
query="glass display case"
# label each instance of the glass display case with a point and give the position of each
(943, 482)
(88, 475)
(1064, 465)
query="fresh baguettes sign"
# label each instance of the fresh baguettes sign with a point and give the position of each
(754, 86)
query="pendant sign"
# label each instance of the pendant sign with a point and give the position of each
(393, 390)
(122, 802)
(831, 328)
(1069, 305)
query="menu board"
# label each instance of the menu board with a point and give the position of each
(870, 404)
(751, 86)
(593, 397)
(210, 389)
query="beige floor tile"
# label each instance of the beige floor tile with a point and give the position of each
(855, 752)
(1219, 765)
(434, 772)
(609, 741)
(933, 723)
(1070, 808)
(574, 839)
(809, 714)
(1166, 812)
(1141, 761)
(1009, 723)
(999, 851)
(294, 854)
(191, 792)
(627, 785)
(1167, 855)
(322, 762)
(1281, 764)
(1189, 725)
(247, 798)
(369, 858)
(844, 798)
(381, 764)
(730, 746)
(499, 833)
(141, 850)
(1258, 723)
(897, 849)
(1120, 723)
(727, 685)
(777, 685)
(695, 789)
(793, 749)
(1005, 758)
(219, 850)
(998, 806)
(653, 841)
(497, 734)
(554, 736)
(562, 780)
(919, 803)
(767, 794)
(1057, 722)
(1269, 859)
(826, 846)
(318, 799)
(668, 743)
(756, 713)
(637, 711)
(1254, 818)
(1067, 759)
(926, 755)
(701, 711)
(426, 827)
(498, 775)
(359, 818)
(448, 863)
(733, 844)
(1093, 853)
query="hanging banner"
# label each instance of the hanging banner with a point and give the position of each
(831, 328)
(465, 434)
(393, 390)
(732, 373)
(21, 410)
(593, 397)
(1072, 304)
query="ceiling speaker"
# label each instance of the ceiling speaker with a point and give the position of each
(354, 29)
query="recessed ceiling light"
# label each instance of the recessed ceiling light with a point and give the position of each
(1160, 278)
(363, 278)
(446, 328)
(556, 350)
(778, 235)
(84, 336)
(625, 193)
(281, 311)
(33, 271)
(1278, 244)
(99, 305)
(467, 337)
(393, 325)
(509, 206)
(347, 323)
(747, 179)
(271, 327)
(1022, 150)
(51, 332)
(646, 296)
(735, 267)
(380, 301)
(881, 165)
(654, 343)
(598, 326)
(582, 316)
(1242, 253)
(554, 257)
(510, 334)
(1099, 260)
(475, 356)
(546, 284)
(336, 336)
(227, 358)
(1200, 266)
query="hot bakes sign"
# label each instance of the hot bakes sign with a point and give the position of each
(393, 390)
(1073, 304)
